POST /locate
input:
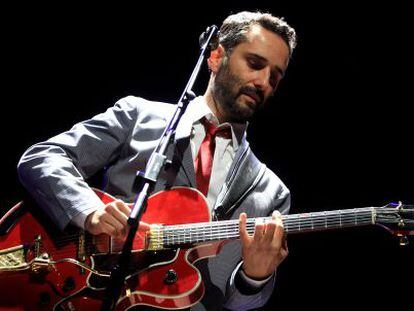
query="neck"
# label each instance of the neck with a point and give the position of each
(214, 105)
(229, 229)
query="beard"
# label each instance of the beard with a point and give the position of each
(228, 93)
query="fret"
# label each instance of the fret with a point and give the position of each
(189, 230)
(227, 231)
(166, 238)
(200, 235)
(169, 236)
(355, 216)
(373, 215)
(312, 224)
(179, 237)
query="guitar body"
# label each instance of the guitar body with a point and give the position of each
(42, 268)
(27, 282)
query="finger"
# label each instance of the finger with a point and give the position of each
(285, 249)
(272, 225)
(108, 229)
(279, 233)
(285, 245)
(116, 209)
(276, 215)
(123, 207)
(244, 235)
(115, 223)
(258, 230)
(116, 219)
(280, 230)
(269, 231)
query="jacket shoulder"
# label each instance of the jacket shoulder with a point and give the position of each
(142, 105)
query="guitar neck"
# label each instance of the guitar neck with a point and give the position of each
(172, 235)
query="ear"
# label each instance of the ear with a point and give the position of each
(215, 59)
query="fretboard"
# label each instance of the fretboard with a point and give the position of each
(296, 223)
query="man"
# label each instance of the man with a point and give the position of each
(246, 67)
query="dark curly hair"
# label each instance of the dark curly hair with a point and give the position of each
(235, 26)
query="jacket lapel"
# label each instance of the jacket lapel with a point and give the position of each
(243, 175)
(182, 152)
(184, 156)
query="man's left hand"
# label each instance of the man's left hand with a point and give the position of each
(266, 249)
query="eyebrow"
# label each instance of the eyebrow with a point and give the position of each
(263, 59)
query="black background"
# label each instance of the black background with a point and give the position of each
(338, 133)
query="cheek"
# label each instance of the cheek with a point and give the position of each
(241, 72)
(268, 95)
(236, 82)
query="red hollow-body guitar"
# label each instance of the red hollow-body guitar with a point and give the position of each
(42, 268)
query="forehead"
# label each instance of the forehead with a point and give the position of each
(266, 44)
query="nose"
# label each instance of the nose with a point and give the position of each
(262, 79)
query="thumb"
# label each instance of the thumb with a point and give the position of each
(144, 227)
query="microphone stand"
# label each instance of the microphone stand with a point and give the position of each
(146, 180)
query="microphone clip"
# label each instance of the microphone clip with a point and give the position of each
(209, 39)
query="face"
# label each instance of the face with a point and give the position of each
(247, 78)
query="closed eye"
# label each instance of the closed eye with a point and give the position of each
(257, 62)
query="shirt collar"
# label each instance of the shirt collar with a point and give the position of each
(198, 108)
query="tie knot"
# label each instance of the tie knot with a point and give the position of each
(214, 130)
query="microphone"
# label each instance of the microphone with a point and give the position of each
(214, 42)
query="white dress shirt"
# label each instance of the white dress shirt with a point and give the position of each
(225, 149)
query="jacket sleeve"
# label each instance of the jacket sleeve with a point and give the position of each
(54, 171)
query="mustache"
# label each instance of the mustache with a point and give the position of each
(252, 91)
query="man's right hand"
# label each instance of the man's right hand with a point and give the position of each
(111, 220)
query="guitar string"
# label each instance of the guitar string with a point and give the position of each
(286, 219)
(300, 222)
(186, 234)
(231, 232)
(92, 249)
(218, 231)
(287, 224)
(218, 225)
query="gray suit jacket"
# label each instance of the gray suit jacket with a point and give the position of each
(121, 141)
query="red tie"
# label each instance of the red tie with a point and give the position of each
(204, 160)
